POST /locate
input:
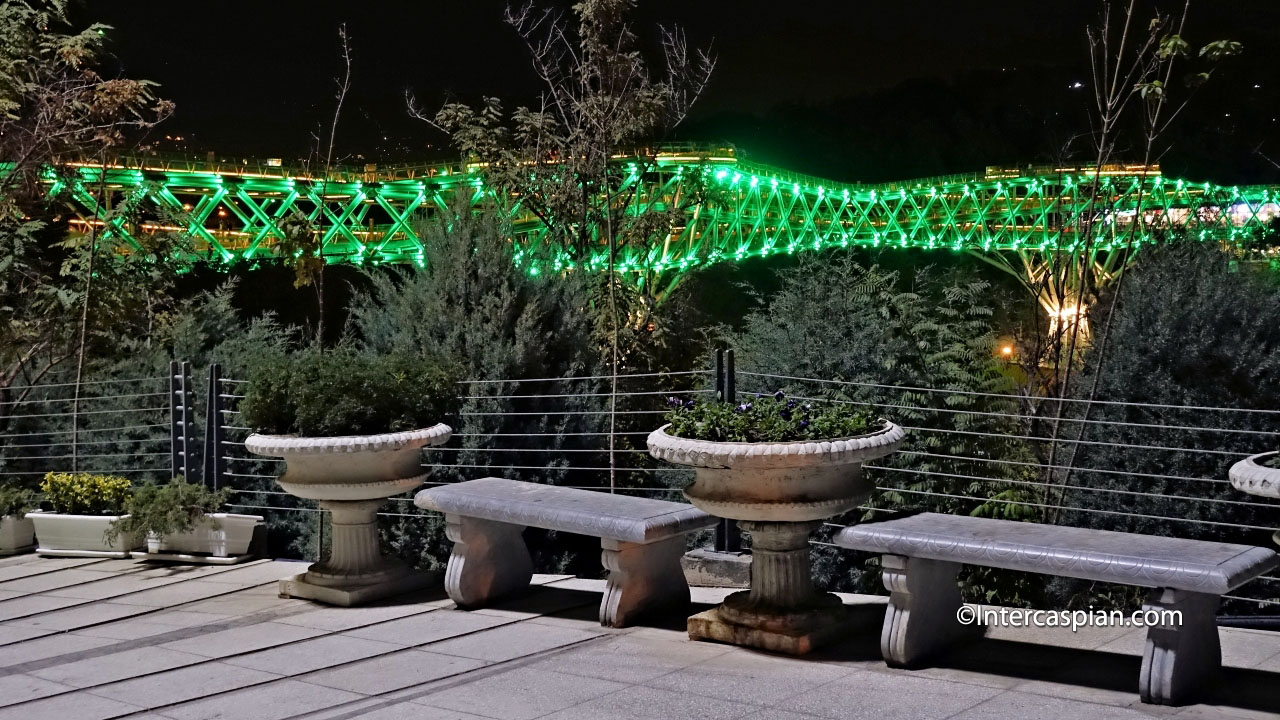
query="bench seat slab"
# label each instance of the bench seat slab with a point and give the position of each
(584, 512)
(1101, 555)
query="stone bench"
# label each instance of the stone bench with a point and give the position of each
(923, 553)
(642, 540)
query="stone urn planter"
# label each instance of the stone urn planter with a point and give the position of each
(62, 535)
(780, 493)
(1255, 476)
(351, 477)
(17, 535)
(217, 535)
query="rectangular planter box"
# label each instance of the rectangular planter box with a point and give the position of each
(231, 538)
(16, 535)
(79, 535)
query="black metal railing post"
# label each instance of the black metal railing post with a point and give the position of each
(214, 434)
(717, 361)
(180, 418)
(728, 536)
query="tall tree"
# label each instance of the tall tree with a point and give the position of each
(57, 107)
(560, 162)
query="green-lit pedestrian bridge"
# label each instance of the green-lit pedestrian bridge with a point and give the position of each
(233, 210)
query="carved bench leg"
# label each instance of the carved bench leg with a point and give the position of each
(489, 560)
(1179, 659)
(921, 617)
(642, 578)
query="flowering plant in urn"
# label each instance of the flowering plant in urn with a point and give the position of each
(780, 466)
(351, 429)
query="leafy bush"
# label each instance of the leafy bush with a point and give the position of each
(347, 393)
(16, 501)
(767, 418)
(86, 494)
(922, 348)
(168, 509)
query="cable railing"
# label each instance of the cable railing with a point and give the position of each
(101, 425)
(1111, 464)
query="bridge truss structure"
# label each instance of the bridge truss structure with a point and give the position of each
(1016, 218)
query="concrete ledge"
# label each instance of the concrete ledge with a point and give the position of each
(705, 567)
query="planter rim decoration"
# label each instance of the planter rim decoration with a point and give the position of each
(1251, 476)
(796, 481)
(283, 445)
(350, 467)
(351, 476)
(796, 453)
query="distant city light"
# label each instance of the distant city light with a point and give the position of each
(1076, 85)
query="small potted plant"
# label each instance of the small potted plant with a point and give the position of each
(84, 507)
(180, 521)
(17, 532)
(780, 466)
(350, 428)
(1258, 475)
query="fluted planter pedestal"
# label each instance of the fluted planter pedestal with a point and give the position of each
(780, 493)
(351, 477)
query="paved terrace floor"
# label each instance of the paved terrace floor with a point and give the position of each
(89, 639)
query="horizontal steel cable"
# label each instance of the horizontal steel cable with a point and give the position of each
(1012, 397)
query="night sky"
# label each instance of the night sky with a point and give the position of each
(851, 89)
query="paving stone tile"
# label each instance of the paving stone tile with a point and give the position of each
(396, 671)
(34, 565)
(771, 714)
(427, 627)
(177, 593)
(749, 677)
(242, 602)
(337, 619)
(631, 659)
(185, 618)
(244, 639)
(381, 708)
(1013, 705)
(540, 601)
(510, 641)
(10, 594)
(50, 646)
(61, 580)
(646, 703)
(183, 684)
(21, 688)
(28, 605)
(259, 574)
(78, 616)
(521, 694)
(10, 633)
(72, 706)
(309, 655)
(122, 665)
(274, 701)
(110, 587)
(887, 696)
(1244, 648)
(150, 623)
